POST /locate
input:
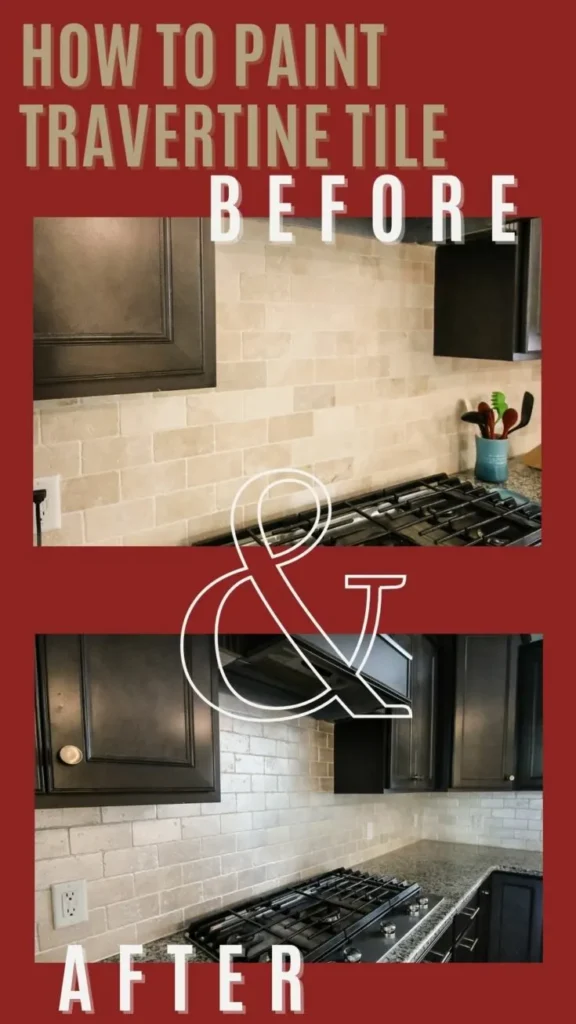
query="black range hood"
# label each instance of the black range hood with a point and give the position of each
(270, 670)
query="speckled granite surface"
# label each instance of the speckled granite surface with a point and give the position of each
(521, 478)
(450, 870)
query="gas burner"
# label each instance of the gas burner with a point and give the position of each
(435, 511)
(342, 916)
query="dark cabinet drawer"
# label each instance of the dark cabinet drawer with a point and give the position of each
(441, 951)
(467, 918)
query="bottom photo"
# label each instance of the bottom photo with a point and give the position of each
(376, 806)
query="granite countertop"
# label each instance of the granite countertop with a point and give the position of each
(521, 478)
(450, 870)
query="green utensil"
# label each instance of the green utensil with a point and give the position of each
(499, 403)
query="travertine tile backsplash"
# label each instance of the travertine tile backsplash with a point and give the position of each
(324, 363)
(150, 869)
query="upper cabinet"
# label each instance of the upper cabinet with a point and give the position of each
(487, 296)
(371, 756)
(484, 754)
(122, 304)
(121, 723)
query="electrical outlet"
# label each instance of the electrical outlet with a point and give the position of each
(370, 830)
(50, 509)
(69, 903)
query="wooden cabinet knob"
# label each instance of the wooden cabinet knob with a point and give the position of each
(70, 755)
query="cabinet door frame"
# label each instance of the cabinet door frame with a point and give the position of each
(115, 364)
(508, 761)
(530, 715)
(98, 796)
(428, 783)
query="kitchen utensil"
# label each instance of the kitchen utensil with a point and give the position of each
(525, 412)
(479, 420)
(509, 418)
(499, 403)
(492, 460)
(490, 418)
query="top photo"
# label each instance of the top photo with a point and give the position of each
(191, 392)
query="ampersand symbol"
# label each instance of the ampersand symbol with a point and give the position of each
(373, 585)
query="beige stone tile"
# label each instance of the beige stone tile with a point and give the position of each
(264, 287)
(158, 478)
(57, 459)
(104, 891)
(71, 533)
(265, 344)
(132, 812)
(146, 882)
(62, 817)
(180, 852)
(68, 869)
(205, 527)
(107, 453)
(145, 833)
(90, 491)
(115, 520)
(314, 396)
(121, 862)
(200, 870)
(36, 428)
(241, 376)
(290, 371)
(184, 443)
(49, 937)
(208, 469)
(215, 407)
(228, 346)
(93, 838)
(183, 896)
(78, 423)
(155, 414)
(269, 402)
(270, 456)
(133, 911)
(52, 843)
(240, 316)
(241, 435)
(172, 535)
(158, 927)
(284, 428)
(174, 507)
(327, 371)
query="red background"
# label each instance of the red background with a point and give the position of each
(505, 72)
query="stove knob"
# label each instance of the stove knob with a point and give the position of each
(351, 955)
(423, 901)
(389, 929)
(413, 908)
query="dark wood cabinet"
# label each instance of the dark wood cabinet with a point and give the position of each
(412, 741)
(530, 701)
(39, 781)
(122, 723)
(122, 304)
(515, 934)
(371, 756)
(487, 296)
(484, 754)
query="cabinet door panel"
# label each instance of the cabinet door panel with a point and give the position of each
(515, 919)
(126, 704)
(412, 740)
(485, 721)
(122, 304)
(530, 714)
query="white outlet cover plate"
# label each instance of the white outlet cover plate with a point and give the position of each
(69, 903)
(50, 509)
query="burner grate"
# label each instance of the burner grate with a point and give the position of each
(439, 511)
(317, 916)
